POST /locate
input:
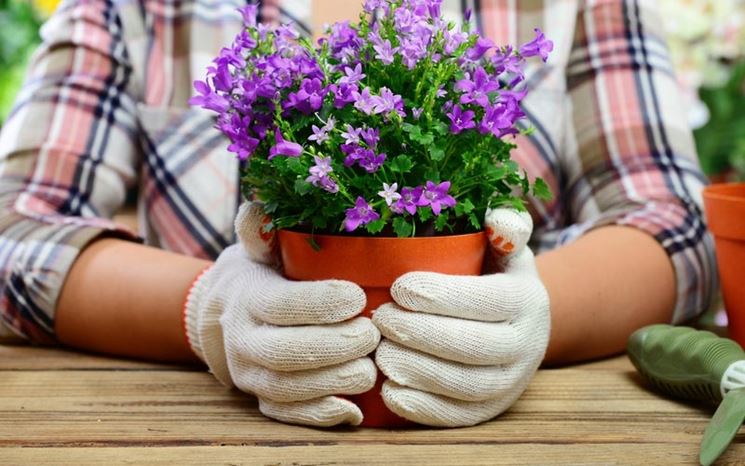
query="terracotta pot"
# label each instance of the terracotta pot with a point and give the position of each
(725, 213)
(374, 264)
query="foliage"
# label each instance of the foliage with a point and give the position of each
(19, 25)
(396, 125)
(721, 141)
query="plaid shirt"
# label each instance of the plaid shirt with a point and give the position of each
(103, 112)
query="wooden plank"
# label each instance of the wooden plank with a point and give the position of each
(374, 454)
(70, 408)
(24, 357)
(157, 408)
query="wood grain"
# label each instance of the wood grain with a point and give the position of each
(60, 407)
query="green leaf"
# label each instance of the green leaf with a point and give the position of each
(474, 220)
(302, 187)
(375, 226)
(425, 214)
(296, 166)
(401, 227)
(541, 190)
(401, 164)
(440, 128)
(436, 153)
(464, 207)
(423, 139)
(441, 221)
(409, 128)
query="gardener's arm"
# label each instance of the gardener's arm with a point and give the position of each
(602, 287)
(126, 299)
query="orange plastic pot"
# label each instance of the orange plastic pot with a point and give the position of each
(374, 264)
(725, 214)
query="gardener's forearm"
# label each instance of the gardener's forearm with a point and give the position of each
(126, 299)
(603, 287)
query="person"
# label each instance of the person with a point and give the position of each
(104, 112)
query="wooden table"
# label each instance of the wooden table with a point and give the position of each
(60, 407)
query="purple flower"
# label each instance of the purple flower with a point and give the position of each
(371, 5)
(343, 94)
(385, 52)
(538, 46)
(480, 48)
(370, 161)
(370, 136)
(389, 193)
(453, 40)
(476, 90)
(408, 201)
(499, 118)
(436, 196)
(249, 13)
(319, 175)
(353, 75)
(351, 135)
(404, 20)
(209, 99)
(343, 41)
(284, 147)
(412, 50)
(389, 102)
(319, 135)
(361, 214)
(310, 96)
(365, 158)
(365, 102)
(416, 112)
(505, 61)
(460, 120)
(236, 129)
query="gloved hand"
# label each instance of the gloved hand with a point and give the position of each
(295, 345)
(459, 350)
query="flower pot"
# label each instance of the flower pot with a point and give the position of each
(374, 263)
(725, 213)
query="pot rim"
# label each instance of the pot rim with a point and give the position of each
(325, 235)
(734, 192)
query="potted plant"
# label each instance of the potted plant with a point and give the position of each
(379, 150)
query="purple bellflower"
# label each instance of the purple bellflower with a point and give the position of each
(460, 120)
(476, 90)
(284, 147)
(436, 196)
(319, 175)
(538, 46)
(361, 214)
(408, 201)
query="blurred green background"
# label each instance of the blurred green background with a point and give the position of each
(19, 35)
(706, 40)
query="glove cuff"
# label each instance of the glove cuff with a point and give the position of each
(191, 313)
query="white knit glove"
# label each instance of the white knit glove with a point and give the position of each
(295, 345)
(459, 350)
